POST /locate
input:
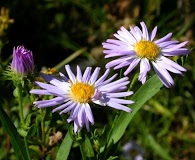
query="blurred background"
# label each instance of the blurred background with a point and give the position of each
(56, 29)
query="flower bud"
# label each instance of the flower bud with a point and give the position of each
(22, 62)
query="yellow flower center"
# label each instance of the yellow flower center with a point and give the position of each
(147, 49)
(82, 92)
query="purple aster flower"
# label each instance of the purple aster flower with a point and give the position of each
(138, 45)
(22, 61)
(132, 151)
(74, 94)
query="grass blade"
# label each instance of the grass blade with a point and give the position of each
(11, 130)
(65, 147)
(146, 91)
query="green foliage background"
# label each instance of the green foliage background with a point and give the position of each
(55, 29)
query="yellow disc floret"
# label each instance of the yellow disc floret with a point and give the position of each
(147, 49)
(82, 92)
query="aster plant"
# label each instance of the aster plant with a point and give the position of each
(18, 72)
(138, 46)
(73, 96)
(76, 94)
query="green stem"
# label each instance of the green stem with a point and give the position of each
(26, 146)
(43, 132)
(133, 81)
(19, 89)
(69, 127)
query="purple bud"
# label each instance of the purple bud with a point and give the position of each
(22, 61)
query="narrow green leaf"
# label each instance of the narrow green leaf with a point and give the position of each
(65, 147)
(70, 58)
(16, 141)
(151, 141)
(145, 92)
(87, 149)
(32, 130)
(158, 148)
(28, 119)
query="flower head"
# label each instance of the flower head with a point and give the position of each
(138, 45)
(76, 93)
(22, 62)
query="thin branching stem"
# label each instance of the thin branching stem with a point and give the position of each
(19, 89)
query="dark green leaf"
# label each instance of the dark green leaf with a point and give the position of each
(65, 147)
(28, 119)
(87, 149)
(158, 148)
(32, 130)
(145, 92)
(16, 141)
